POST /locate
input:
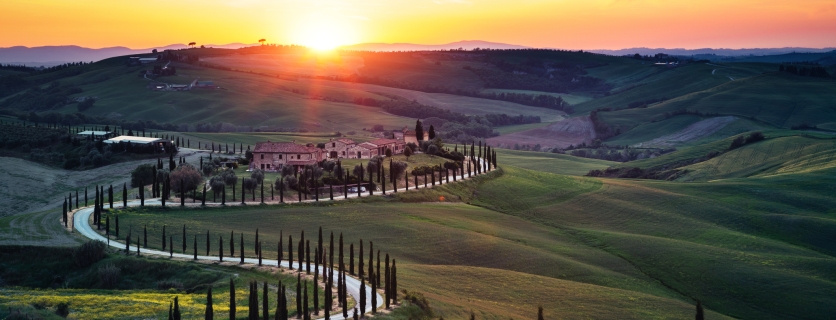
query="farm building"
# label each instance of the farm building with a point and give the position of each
(272, 156)
(364, 150)
(202, 84)
(158, 143)
(96, 135)
(397, 146)
(338, 148)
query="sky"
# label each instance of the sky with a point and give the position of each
(566, 24)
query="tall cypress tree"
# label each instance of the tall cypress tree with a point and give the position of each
(265, 306)
(317, 256)
(232, 244)
(110, 196)
(125, 195)
(305, 312)
(351, 259)
(540, 313)
(221, 248)
(299, 295)
(700, 315)
(377, 281)
(371, 262)
(184, 238)
(308, 256)
(387, 289)
(117, 225)
(242, 248)
(207, 242)
(279, 292)
(280, 250)
(231, 299)
(176, 308)
(290, 251)
(363, 295)
(170, 246)
(209, 314)
(345, 297)
(194, 249)
(374, 291)
(394, 283)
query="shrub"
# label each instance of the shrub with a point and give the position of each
(250, 184)
(109, 276)
(62, 309)
(188, 175)
(257, 175)
(737, 142)
(755, 137)
(89, 253)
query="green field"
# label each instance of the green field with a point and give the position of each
(660, 240)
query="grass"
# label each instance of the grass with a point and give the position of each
(551, 162)
(520, 127)
(649, 131)
(777, 100)
(44, 283)
(721, 243)
(569, 98)
(778, 156)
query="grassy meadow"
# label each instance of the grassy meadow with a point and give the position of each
(656, 244)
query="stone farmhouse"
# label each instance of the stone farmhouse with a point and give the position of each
(272, 156)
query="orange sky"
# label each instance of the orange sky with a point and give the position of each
(569, 24)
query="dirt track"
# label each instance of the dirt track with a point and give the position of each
(694, 131)
(561, 134)
(33, 194)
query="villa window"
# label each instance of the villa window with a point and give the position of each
(262, 156)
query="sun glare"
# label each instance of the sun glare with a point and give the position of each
(323, 34)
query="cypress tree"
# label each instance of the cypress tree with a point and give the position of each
(207, 242)
(117, 225)
(259, 253)
(264, 303)
(374, 291)
(145, 236)
(182, 193)
(76, 197)
(184, 238)
(299, 295)
(386, 288)
(284, 303)
(280, 249)
(540, 313)
(351, 259)
(195, 247)
(253, 302)
(232, 244)
(170, 311)
(305, 312)
(290, 250)
(176, 309)
(308, 256)
(125, 195)
(164, 243)
(170, 246)
(209, 314)
(243, 194)
(128, 243)
(345, 297)
(262, 193)
(279, 307)
(231, 299)
(700, 315)
(242, 247)
(110, 196)
(331, 191)
(281, 190)
(316, 281)
(141, 191)
(363, 295)
(64, 214)
(221, 248)
(394, 284)
(107, 228)
(223, 195)
(377, 281)
(371, 262)
(85, 196)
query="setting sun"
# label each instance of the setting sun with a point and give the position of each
(323, 33)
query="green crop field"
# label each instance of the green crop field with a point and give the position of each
(660, 240)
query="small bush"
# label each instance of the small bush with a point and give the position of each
(755, 137)
(169, 284)
(109, 276)
(89, 253)
(62, 309)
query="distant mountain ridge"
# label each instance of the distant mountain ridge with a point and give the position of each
(53, 55)
(710, 51)
(466, 45)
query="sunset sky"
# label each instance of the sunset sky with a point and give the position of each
(568, 24)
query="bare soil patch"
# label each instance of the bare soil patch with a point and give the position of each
(560, 134)
(693, 132)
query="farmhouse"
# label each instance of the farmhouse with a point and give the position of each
(272, 156)
(96, 135)
(364, 150)
(160, 144)
(397, 146)
(338, 148)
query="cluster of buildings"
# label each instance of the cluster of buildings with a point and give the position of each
(272, 156)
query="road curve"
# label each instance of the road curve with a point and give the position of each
(82, 216)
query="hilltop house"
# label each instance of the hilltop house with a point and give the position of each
(338, 148)
(364, 150)
(397, 146)
(272, 156)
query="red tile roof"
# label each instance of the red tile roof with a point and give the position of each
(346, 141)
(381, 142)
(282, 147)
(367, 146)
